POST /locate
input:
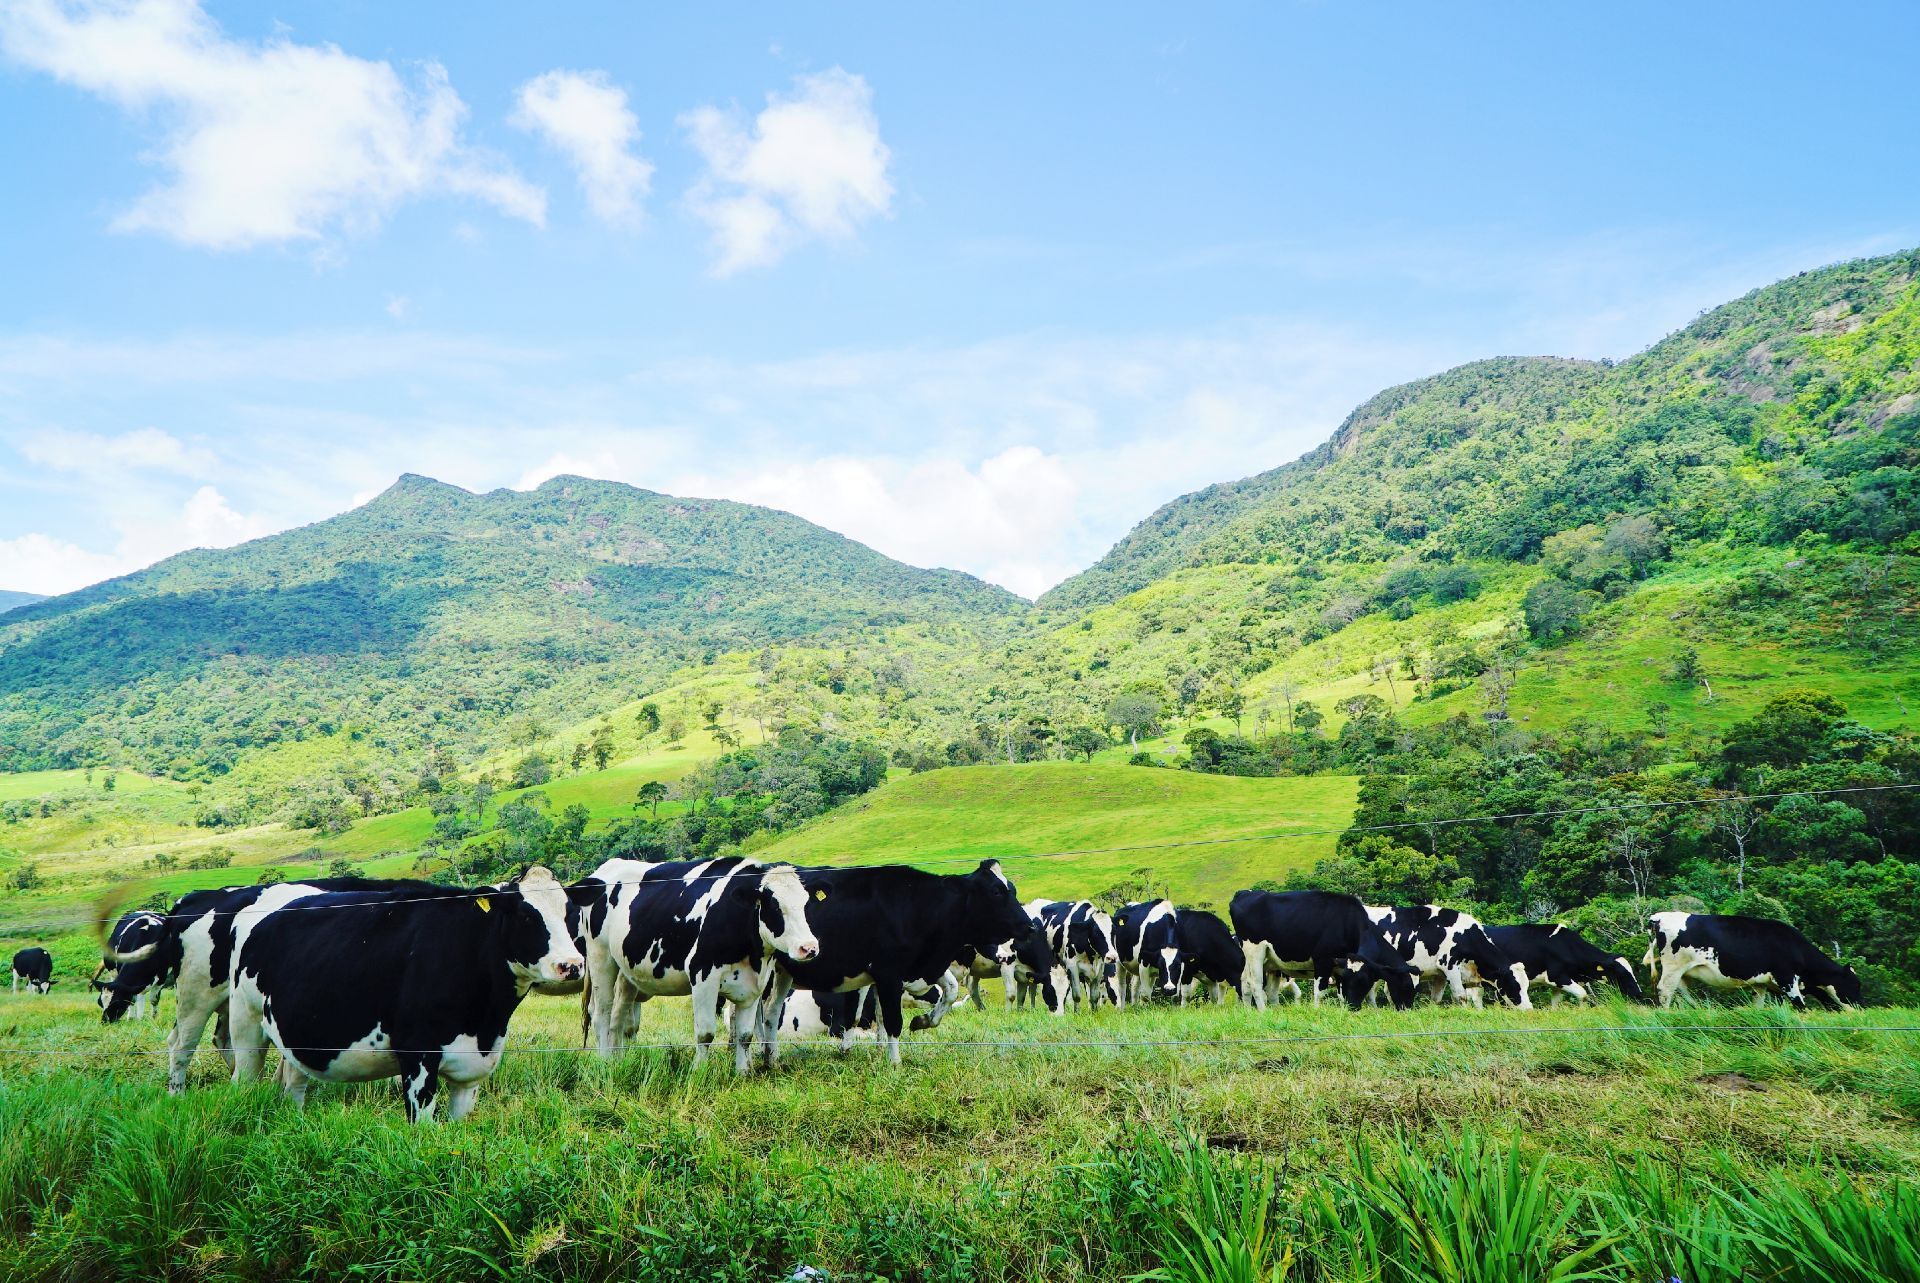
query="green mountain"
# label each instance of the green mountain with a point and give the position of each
(1793, 410)
(435, 618)
(10, 600)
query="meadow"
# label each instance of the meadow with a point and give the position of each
(1618, 1143)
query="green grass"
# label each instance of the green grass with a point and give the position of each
(1011, 811)
(1764, 1145)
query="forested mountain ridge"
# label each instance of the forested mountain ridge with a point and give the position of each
(1792, 409)
(430, 617)
(13, 600)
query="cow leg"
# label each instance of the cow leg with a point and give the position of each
(1791, 989)
(293, 1081)
(1575, 990)
(740, 1026)
(624, 1014)
(1253, 979)
(888, 992)
(420, 1083)
(1672, 976)
(190, 1016)
(778, 984)
(603, 982)
(706, 1014)
(247, 1037)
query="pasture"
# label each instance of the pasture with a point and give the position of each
(1705, 1143)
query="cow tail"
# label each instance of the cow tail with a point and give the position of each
(586, 1008)
(106, 912)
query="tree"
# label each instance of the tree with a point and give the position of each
(578, 757)
(1307, 716)
(1085, 740)
(1135, 714)
(1552, 609)
(1737, 817)
(651, 795)
(648, 719)
(602, 746)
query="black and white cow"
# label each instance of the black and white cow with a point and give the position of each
(810, 1013)
(1551, 954)
(1727, 951)
(1143, 937)
(1449, 949)
(1082, 938)
(891, 927)
(1035, 973)
(194, 953)
(134, 936)
(703, 929)
(35, 966)
(1284, 935)
(405, 978)
(1208, 954)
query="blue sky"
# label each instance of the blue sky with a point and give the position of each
(979, 286)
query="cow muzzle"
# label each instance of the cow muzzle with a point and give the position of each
(805, 951)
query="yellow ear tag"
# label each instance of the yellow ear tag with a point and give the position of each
(486, 905)
(820, 893)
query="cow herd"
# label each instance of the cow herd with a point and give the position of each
(353, 979)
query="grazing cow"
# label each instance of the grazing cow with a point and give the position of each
(1284, 934)
(1034, 974)
(1143, 937)
(1449, 949)
(808, 1013)
(194, 953)
(134, 936)
(703, 929)
(1082, 937)
(405, 978)
(891, 927)
(1208, 954)
(35, 966)
(1727, 951)
(1550, 954)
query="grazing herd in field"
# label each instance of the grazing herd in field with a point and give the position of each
(353, 979)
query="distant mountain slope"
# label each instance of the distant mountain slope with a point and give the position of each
(432, 616)
(11, 600)
(1794, 409)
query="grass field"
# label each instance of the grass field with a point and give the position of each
(1087, 810)
(1708, 1144)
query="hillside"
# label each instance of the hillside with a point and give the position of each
(13, 600)
(434, 619)
(1793, 410)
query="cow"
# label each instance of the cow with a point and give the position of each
(811, 1013)
(1284, 934)
(703, 929)
(1208, 954)
(1551, 954)
(1143, 937)
(194, 953)
(1728, 951)
(135, 935)
(35, 966)
(1082, 938)
(891, 926)
(1448, 949)
(403, 978)
(1034, 974)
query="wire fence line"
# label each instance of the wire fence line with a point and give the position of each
(1049, 1044)
(455, 893)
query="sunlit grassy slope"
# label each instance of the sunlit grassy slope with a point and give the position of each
(966, 813)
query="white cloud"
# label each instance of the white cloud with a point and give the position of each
(989, 518)
(39, 563)
(585, 116)
(147, 533)
(91, 454)
(268, 142)
(398, 306)
(810, 165)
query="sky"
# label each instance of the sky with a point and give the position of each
(979, 286)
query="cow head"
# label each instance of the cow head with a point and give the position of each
(1620, 971)
(781, 903)
(1844, 985)
(993, 909)
(1508, 978)
(540, 949)
(1035, 953)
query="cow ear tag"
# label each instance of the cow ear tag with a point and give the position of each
(820, 893)
(486, 905)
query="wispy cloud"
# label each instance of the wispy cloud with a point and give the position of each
(585, 116)
(262, 143)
